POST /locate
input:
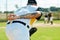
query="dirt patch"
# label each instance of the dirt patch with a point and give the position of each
(43, 25)
(46, 25)
(2, 27)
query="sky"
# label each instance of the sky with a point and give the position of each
(11, 4)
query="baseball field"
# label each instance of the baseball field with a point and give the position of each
(44, 32)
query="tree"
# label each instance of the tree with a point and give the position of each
(53, 9)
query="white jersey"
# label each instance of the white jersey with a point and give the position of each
(25, 10)
(17, 31)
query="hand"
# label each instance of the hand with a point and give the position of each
(12, 17)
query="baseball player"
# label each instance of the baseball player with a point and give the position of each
(50, 18)
(45, 18)
(19, 23)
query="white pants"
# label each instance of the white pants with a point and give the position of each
(46, 19)
(17, 31)
(51, 18)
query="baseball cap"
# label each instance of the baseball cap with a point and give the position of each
(30, 2)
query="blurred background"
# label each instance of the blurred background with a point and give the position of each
(45, 6)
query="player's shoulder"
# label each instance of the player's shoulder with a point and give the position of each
(17, 10)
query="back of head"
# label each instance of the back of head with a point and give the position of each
(32, 2)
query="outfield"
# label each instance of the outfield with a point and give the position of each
(43, 33)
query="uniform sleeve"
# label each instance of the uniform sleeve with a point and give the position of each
(16, 12)
(20, 11)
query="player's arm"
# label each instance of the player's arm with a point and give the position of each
(29, 16)
(26, 16)
(10, 17)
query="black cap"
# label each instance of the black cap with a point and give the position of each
(31, 2)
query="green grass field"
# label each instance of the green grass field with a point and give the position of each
(43, 33)
(2, 24)
(55, 21)
(2, 34)
(47, 33)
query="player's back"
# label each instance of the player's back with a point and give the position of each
(26, 10)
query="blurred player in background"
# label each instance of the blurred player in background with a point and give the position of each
(45, 18)
(50, 18)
